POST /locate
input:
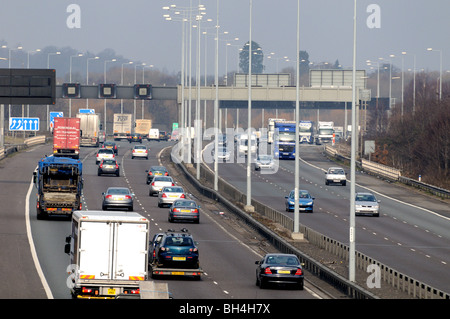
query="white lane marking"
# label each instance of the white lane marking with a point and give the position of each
(32, 247)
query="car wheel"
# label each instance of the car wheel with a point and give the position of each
(344, 183)
(300, 286)
(130, 208)
(104, 207)
(117, 174)
(98, 174)
(262, 284)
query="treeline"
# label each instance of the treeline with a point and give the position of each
(416, 138)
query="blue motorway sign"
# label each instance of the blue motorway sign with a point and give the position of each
(52, 117)
(24, 124)
(90, 111)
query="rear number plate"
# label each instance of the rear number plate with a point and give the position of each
(179, 258)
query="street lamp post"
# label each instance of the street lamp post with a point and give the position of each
(440, 71)
(414, 80)
(249, 114)
(121, 83)
(28, 66)
(87, 74)
(104, 100)
(48, 67)
(70, 78)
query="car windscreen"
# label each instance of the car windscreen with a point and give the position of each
(162, 179)
(179, 241)
(118, 191)
(282, 260)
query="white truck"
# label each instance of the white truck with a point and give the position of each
(245, 146)
(121, 126)
(89, 128)
(271, 128)
(143, 127)
(306, 134)
(325, 131)
(108, 254)
(153, 134)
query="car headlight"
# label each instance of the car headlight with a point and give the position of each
(291, 202)
(309, 203)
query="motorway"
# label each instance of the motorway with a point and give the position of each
(227, 259)
(411, 235)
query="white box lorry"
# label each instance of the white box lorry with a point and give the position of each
(121, 126)
(108, 254)
(89, 127)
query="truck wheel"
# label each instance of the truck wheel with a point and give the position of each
(41, 214)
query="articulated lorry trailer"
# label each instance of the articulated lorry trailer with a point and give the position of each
(66, 137)
(90, 129)
(122, 126)
(59, 183)
(108, 254)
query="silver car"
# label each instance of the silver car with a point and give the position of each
(169, 194)
(158, 183)
(184, 209)
(367, 204)
(117, 197)
(139, 151)
(264, 162)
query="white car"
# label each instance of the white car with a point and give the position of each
(222, 155)
(104, 153)
(139, 151)
(335, 175)
(367, 204)
(264, 162)
(158, 183)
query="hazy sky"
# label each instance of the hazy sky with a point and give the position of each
(137, 30)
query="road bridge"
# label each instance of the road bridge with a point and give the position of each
(236, 97)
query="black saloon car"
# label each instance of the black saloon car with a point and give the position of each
(279, 269)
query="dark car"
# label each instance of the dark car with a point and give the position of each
(174, 250)
(135, 137)
(111, 145)
(163, 136)
(305, 201)
(156, 171)
(117, 197)
(279, 269)
(184, 209)
(108, 166)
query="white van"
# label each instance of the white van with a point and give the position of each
(153, 134)
(243, 145)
